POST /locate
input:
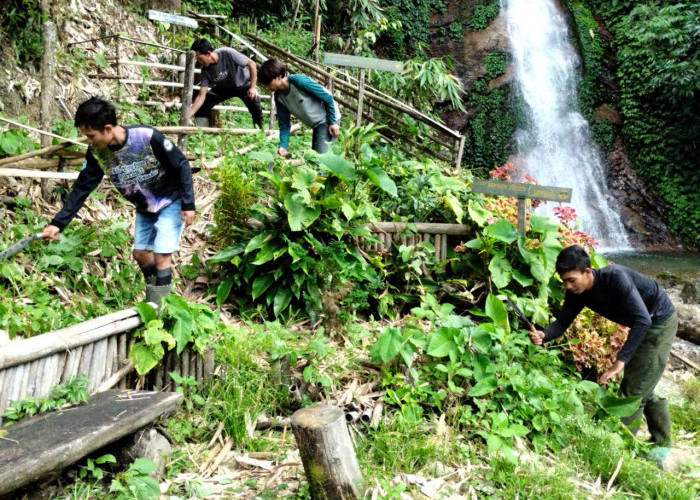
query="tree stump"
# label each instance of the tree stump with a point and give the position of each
(327, 453)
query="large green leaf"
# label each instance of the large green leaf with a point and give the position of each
(501, 271)
(441, 343)
(497, 312)
(387, 345)
(339, 166)
(502, 230)
(282, 299)
(227, 253)
(380, 178)
(300, 215)
(478, 213)
(223, 290)
(485, 386)
(143, 357)
(619, 407)
(146, 311)
(261, 284)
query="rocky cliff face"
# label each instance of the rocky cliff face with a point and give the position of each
(641, 208)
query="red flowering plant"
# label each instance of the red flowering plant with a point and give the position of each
(593, 341)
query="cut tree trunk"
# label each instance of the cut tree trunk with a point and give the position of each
(327, 453)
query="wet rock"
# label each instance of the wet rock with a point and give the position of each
(689, 322)
(150, 444)
(690, 294)
(641, 208)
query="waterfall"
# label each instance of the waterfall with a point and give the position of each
(556, 148)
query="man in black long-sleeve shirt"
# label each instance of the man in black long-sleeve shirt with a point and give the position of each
(633, 300)
(150, 171)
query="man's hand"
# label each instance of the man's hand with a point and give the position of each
(334, 129)
(536, 336)
(187, 217)
(613, 373)
(50, 232)
(282, 152)
(252, 93)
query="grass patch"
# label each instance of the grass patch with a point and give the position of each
(685, 416)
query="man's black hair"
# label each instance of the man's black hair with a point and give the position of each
(572, 258)
(270, 69)
(202, 45)
(95, 113)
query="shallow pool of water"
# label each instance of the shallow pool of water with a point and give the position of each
(684, 264)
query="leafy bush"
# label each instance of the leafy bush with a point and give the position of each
(20, 23)
(484, 14)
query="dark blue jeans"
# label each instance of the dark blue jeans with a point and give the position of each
(320, 137)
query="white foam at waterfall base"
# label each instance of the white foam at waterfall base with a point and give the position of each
(556, 147)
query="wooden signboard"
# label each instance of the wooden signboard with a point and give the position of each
(522, 192)
(156, 15)
(362, 63)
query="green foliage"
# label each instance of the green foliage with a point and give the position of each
(414, 30)
(484, 14)
(423, 83)
(176, 325)
(491, 128)
(135, 483)
(92, 469)
(492, 374)
(20, 23)
(87, 260)
(71, 392)
(657, 75)
(305, 251)
(15, 141)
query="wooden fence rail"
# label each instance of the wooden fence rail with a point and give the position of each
(396, 233)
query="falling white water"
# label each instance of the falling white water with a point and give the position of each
(557, 148)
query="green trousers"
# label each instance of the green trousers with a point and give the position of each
(642, 374)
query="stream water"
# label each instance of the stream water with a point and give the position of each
(683, 264)
(556, 147)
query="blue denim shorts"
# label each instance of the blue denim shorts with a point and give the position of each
(159, 233)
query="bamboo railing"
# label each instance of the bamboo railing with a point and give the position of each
(98, 348)
(396, 233)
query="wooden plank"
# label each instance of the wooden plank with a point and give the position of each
(522, 190)
(362, 62)
(35, 447)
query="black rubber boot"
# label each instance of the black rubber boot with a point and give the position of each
(155, 294)
(658, 422)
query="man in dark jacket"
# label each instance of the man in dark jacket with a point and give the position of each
(633, 300)
(150, 171)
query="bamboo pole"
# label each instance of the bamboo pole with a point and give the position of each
(72, 363)
(39, 131)
(117, 377)
(37, 174)
(97, 364)
(37, 152)
(122, 354)
(31, 381)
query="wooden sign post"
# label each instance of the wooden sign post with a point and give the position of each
(522, 192)
(362, 63)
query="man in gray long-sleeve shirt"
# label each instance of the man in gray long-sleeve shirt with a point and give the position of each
(630, 299)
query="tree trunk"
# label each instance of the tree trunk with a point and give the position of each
(327, 453)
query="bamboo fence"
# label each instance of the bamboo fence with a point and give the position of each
(397, 233)
(98, 348)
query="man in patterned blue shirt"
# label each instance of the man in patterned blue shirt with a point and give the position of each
(151, 172)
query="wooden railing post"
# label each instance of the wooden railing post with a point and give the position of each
(186, 98)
